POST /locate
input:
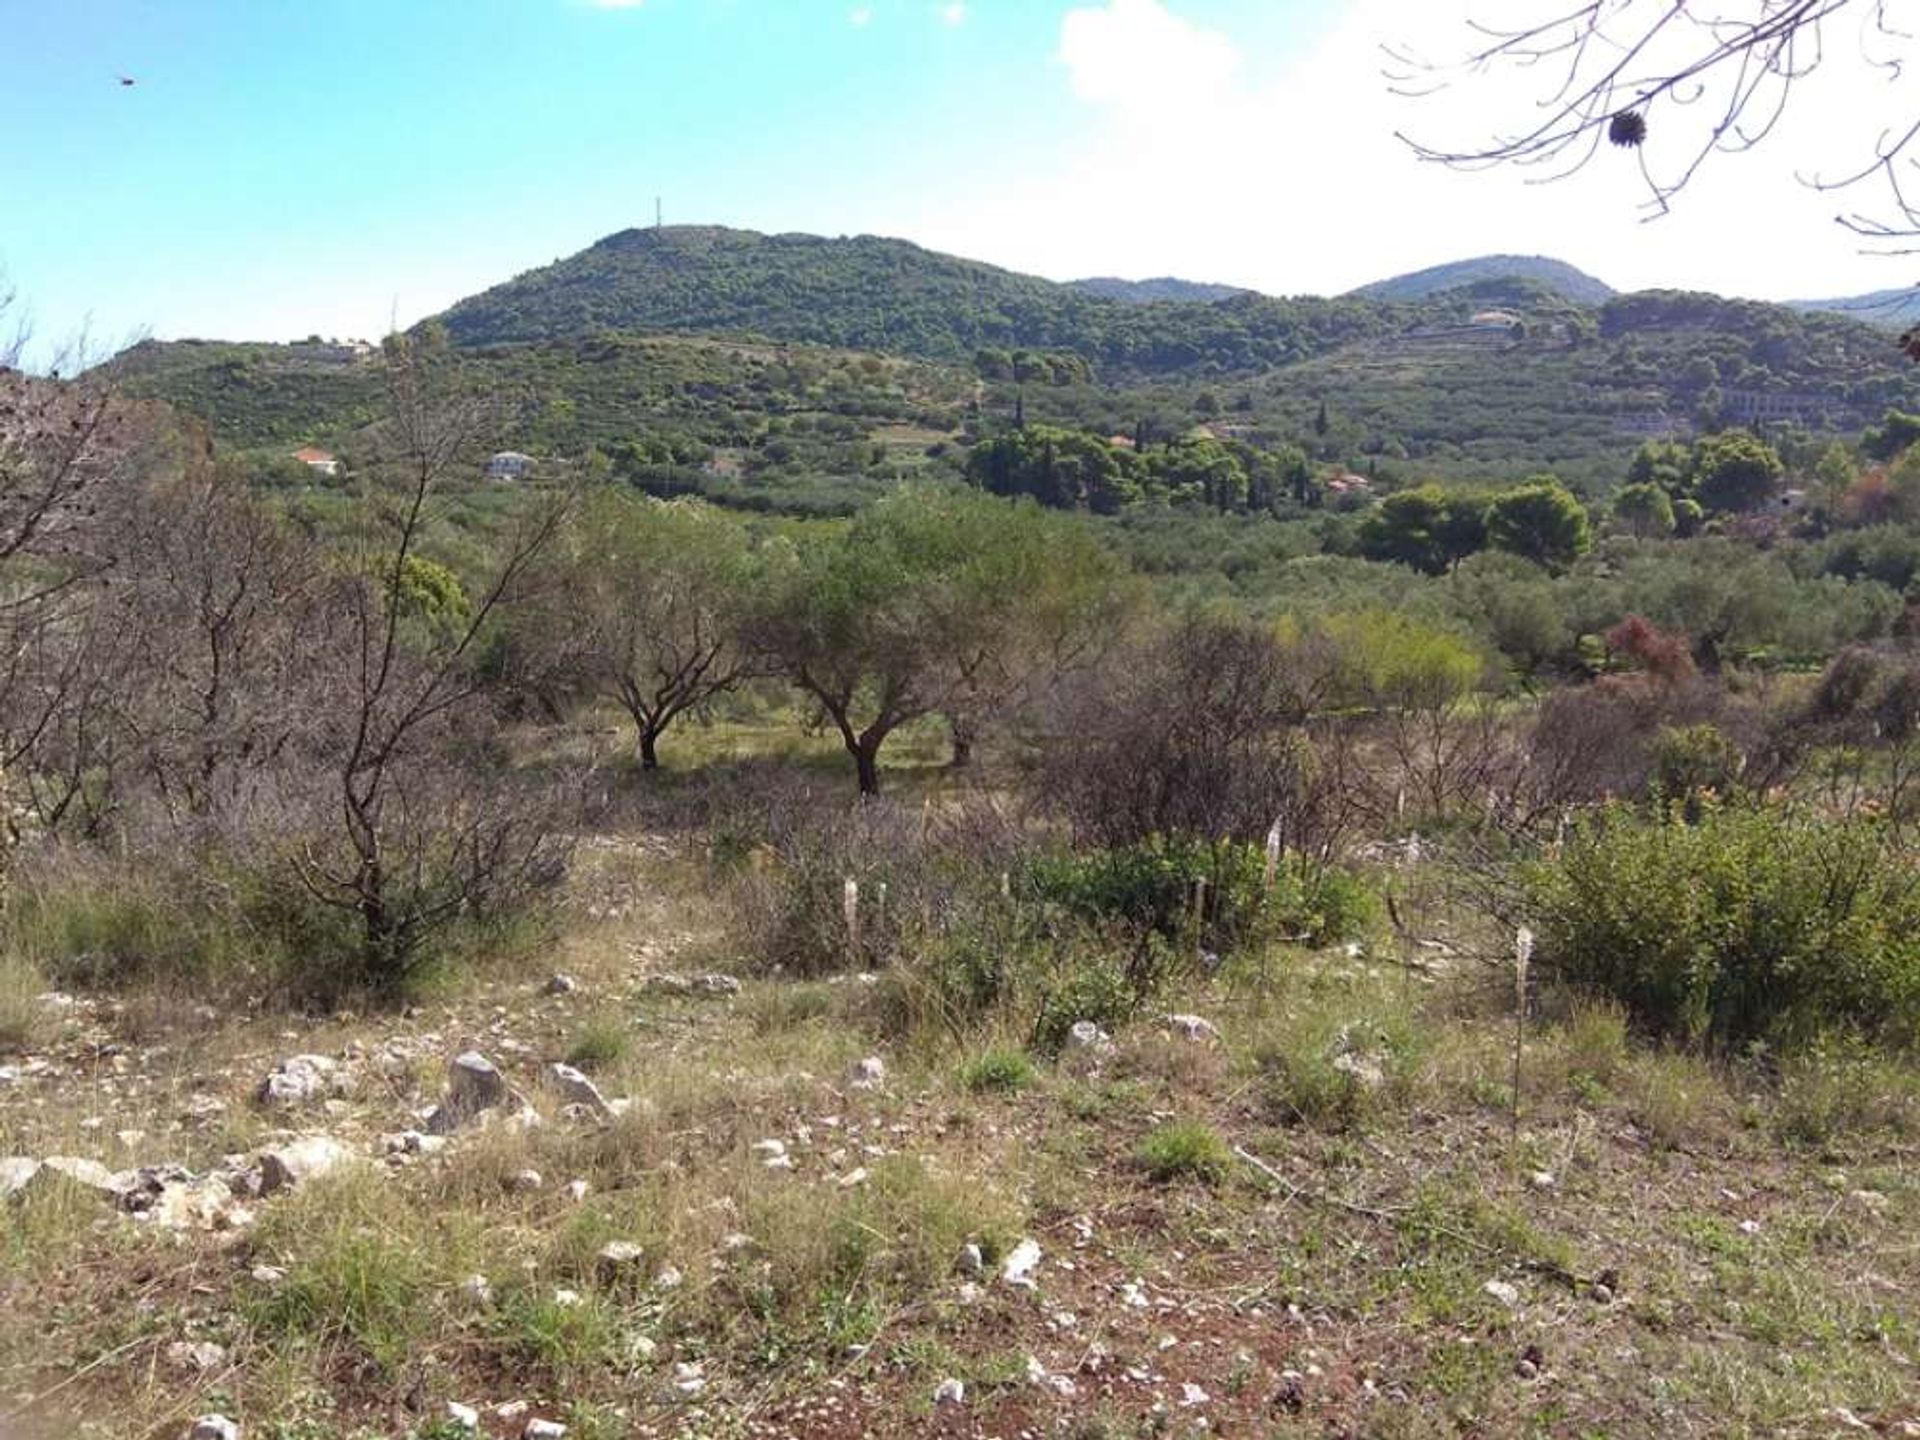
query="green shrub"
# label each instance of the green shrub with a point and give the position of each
(1691, 760)
(1185, 1149)
(1322, 904)
(1087, 982)
(1749, 923)
(999, 1071)
(601, 1042)
(1156, 886)
(1153, 887)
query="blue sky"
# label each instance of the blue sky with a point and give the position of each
(287, 166)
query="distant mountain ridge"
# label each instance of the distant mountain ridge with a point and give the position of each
(1163, 287)
(1889, 309)
(1565, 280)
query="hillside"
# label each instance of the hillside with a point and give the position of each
(1556, 275)
(870, 293)
(1165, 287)
(884, 355)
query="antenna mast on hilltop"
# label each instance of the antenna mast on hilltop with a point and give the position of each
(659, 213)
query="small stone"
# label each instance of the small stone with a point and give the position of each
(1602, 1293)
(579, 1090)
(413, 1142)
(972, 1260)
(299, 1079)
(1192, 1395)
(524, 1182)
(853, 1179)
(1020, 1264)
(1525, 1369)
(577, 1190)
(474, 1085)
(1085, 1035)
(772, 1154)
(668, 1279)
(476, 1290)
(1364, 1070)
(268, 1275)
(1194, 1027)
(544, 1430)
(618, 1259)
(868, 1074)
(1500, 1290)
(567, 1299)
(16, 1171)
(560, 984)
(307, 1158)
(689, 1377)
(950, 1392)
(1541, 1180)
(88, 1174)
(465, 1416)
(214, 1427)
(196, 1356)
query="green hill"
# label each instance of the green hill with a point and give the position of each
(870, 293)
(774, 411)
(1555, 275)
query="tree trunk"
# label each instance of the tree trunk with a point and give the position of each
(866, 760)
(649, 754)
(961, 732)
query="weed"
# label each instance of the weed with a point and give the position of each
(1185, 1149)
(22, 1016)
(602, 1042)
(1841, 1087)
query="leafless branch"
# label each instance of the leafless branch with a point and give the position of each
(1629, 71)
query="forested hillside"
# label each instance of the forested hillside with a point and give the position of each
(1556, 275)
(877, 294)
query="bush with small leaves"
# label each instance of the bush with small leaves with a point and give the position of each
(1735, 923)
(997, 1071)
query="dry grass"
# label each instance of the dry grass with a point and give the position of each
(1751, 1286)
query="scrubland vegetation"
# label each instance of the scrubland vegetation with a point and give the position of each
(1101, 939)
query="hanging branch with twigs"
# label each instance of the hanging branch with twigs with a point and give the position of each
(1627, 72)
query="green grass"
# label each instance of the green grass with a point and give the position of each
(602, 1043)
(1185, 1150)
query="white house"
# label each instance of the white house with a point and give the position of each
(509, 465)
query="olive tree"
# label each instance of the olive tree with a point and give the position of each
(642, 601)
(931, 602)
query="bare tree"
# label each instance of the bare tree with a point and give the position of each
(218, 599)
(1719, 77)
(401, 734)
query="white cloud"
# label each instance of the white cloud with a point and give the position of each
(954, 13)
(860, 16)
(1139, 52)
(1192, 159)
